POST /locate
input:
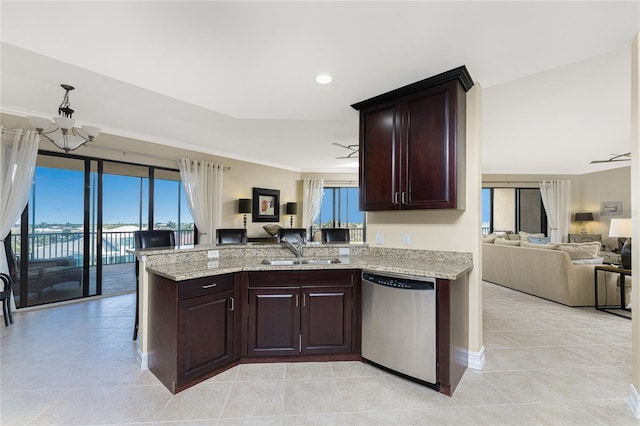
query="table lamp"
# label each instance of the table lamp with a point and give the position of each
(583, 217)
(621, 228)
(244, 207)
(292, 208)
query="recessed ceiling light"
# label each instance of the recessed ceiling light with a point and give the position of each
(324, 78)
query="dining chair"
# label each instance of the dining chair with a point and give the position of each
(5, 296)
(231, 236)
(335, 235)
(143, 240)
(283, 232)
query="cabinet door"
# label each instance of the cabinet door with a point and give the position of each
(205, 333)
(379, 152)
(274, 322)
(429, 148)
(326, 320)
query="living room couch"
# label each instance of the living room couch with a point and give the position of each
(542, 272)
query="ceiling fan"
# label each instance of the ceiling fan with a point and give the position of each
(614, 158)
(353, 148)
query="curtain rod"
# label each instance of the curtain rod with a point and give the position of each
(126, 151)
(350, 182)
(159, 157)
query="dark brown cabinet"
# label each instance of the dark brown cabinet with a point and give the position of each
(412, 145)
(193, 328)
(300, 313)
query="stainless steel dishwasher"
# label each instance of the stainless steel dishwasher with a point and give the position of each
(399, 324)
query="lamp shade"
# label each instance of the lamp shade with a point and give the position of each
(244, 205)
(620, 228)
(292, 208)
(583, 217)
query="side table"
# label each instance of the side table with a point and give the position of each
(623, 273)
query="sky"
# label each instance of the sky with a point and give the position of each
(59, 198)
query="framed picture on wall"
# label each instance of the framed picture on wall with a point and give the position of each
(266, 205)
(611, 208)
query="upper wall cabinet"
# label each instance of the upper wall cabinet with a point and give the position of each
(412, 145)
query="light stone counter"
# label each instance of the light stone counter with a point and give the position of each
(180, 265)
(184, 263)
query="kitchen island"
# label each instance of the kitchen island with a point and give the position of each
(206, 309)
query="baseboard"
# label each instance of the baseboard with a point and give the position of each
(634, 401)
(476, 359)
(142, 358)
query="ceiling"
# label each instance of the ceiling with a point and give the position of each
(236, 79)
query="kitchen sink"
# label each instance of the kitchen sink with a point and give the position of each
(288, 262)
(320, 261)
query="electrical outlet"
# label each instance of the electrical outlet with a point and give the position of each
(379, 238)
(406, 239)
(343, 251)
(211, 254)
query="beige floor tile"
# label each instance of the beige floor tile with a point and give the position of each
(255, 399)
(134, 404)
(561, 414)
(252, 421)
(503, 415)
(248, 372)
(355, 369)
(432, 416)
(65, 411)
(203, 401)
(315, 420)
(310, 396)
(308, 370)
(611, 412)
(474, 390)
(22, 407)
(520, 387)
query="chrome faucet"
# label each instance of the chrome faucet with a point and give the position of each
(295, 246)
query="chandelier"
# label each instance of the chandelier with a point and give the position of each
(61, 132)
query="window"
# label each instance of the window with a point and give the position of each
(340, 209)
(514, 210)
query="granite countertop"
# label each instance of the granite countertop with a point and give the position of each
(445, 269)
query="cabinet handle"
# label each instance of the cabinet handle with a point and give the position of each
(404, 197)
(395, 198)
(233, 304)
(296, 300)
(304, 300)
(209, 286)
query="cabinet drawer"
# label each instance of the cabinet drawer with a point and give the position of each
(204, 286)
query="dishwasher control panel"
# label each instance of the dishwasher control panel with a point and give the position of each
(406, 283)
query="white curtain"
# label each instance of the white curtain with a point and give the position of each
(18, 161)
(311, 201)
(202, 183)
(556, 197)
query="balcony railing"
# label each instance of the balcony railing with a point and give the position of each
(71, 244)
(114, 245)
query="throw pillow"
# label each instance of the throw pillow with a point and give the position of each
(525, 235)
(596, 261)
(539, 240)
(581, 250)
(489, 239)
(506, 242)
(548, 246)
(513, 237)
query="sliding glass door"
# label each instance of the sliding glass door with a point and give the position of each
(74, 235)
(54, 253)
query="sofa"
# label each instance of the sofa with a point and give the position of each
(543, 272)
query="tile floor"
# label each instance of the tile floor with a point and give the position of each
(546, 365)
